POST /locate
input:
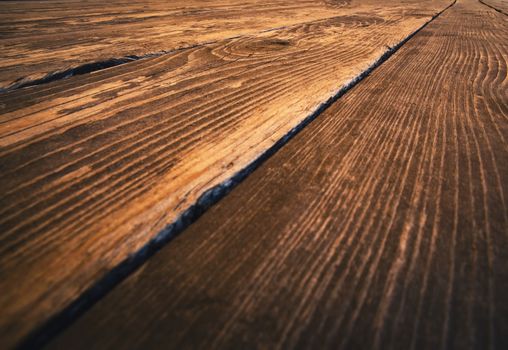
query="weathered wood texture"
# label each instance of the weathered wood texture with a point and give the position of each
(94, 166)
(499, 5)
(40, 38)
(383, 224)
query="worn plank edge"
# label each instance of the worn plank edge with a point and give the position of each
(91, 67)
(60, 321)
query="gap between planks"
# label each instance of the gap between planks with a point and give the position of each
(79, 154)
(86, 300)
(408, 250)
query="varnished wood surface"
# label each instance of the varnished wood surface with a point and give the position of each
(382, 225)
(95, 166)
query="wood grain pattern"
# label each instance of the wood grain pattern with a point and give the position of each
(40, 38)
(382, 225)
(93, 167)
(499, 5)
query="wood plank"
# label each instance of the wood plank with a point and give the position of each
(499, 5)
(94, 167)
(382, 225)
(41, 38)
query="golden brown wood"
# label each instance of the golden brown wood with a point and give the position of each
(382, 225)
(499, 5)
(46, 37)
(93, 167)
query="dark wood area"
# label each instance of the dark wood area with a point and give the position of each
(95, 166)
(383, 224)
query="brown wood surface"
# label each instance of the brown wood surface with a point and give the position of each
(42, 37)
(499, 5)
(383, 224)
(93, 167)
(45, 37)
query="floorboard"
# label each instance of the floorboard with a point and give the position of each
(498, 5)
(58, 36)
(382, 225)
(95, 166)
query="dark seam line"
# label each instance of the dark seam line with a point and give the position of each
(494, 8)
(92, 67)
(59, 322)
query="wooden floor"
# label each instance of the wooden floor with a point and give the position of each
(97, 165)
(498, 5)
(382, 224)
(58, 35)
(41, 38)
